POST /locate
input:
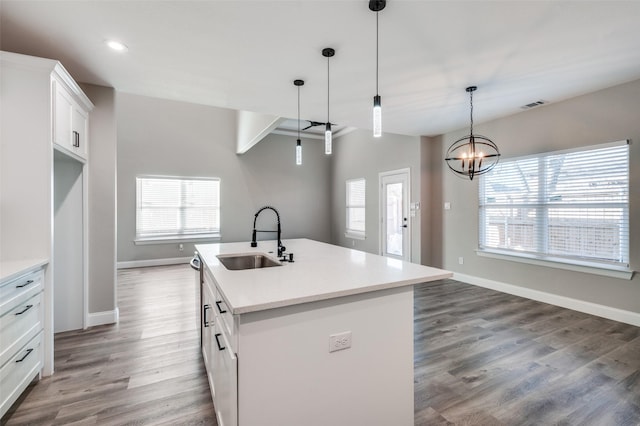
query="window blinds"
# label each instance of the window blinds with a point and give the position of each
(175, 207)
(568, 206)
(356, 206)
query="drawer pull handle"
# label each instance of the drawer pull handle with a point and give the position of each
(26, 308)
(220, 348)
(25, 355)
(25, 284)
(205, 322)
(222, 311)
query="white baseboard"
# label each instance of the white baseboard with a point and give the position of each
(101, 318)
(153, 262)
(608, 312)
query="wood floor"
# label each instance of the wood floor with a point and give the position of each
(488, 358)
(147, 370)
(481, 358)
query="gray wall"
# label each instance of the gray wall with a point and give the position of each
(160, 137)
(102, 198)
(604, 116)
(431, 195)
(359, 155)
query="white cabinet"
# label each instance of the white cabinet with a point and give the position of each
(208, 330)
(41, 108)
(275, 367)
(21, 329)
(71, 123)
(219, 353)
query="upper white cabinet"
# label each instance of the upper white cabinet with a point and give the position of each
(70, 120)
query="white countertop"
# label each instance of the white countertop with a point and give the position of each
(10, 269)
(320, 271)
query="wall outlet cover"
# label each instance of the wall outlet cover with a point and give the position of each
(340, 341)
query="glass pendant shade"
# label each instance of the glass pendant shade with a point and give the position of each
(377, 117)
(327, 139)
(298, 153)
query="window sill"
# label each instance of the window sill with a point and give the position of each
(612, 271)
(177, 239)
(355, 235)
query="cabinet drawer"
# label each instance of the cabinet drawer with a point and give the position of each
(18, 372)
(20, 325)
(19, 290)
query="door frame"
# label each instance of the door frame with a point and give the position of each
(407, 205)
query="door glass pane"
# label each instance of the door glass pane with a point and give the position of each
(394, 218)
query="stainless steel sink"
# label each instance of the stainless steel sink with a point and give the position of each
(237, 262)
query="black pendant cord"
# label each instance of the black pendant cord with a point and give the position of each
(471, 109)
(377, 48)
(328, 122)
(298, 113)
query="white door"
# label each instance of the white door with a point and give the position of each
(395, 235)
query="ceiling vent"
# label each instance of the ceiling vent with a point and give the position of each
(533, 104)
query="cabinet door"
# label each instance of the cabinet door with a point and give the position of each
(207, 325)
(63, 107)
(208, 331)
(79, 128)
(225, 379)
(71, 123)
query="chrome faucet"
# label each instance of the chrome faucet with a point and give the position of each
(254, 243)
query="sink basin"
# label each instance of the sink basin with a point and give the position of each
(237, 262)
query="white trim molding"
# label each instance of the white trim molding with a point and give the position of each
(101, 318)
(603, 311)
(153, 262)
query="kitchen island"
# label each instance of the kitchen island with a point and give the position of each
(327, 339)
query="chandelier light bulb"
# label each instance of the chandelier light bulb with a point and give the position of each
(327, 139)
(298, 153)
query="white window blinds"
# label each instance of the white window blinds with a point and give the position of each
(177, 207)
(568, 206)
(356, 207)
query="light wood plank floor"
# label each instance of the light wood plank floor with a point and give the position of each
(481, 358)
(145, 370)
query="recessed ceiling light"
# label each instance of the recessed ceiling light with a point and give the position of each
(116, 45)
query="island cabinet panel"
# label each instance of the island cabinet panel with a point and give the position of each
(219, 352)
(208, 330)
(272, 358)
(287, 376)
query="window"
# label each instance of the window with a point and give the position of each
(568, 206)
(356, 208)
(169, 208)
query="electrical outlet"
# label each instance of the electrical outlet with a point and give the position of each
(461, 260)
(180, 247)
(339, 341)
(447, 205)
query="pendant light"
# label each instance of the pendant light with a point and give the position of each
(298, 83)
(376, 6)
(472, 155)
(327, 53)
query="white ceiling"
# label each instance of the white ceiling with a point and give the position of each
(245, 54)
